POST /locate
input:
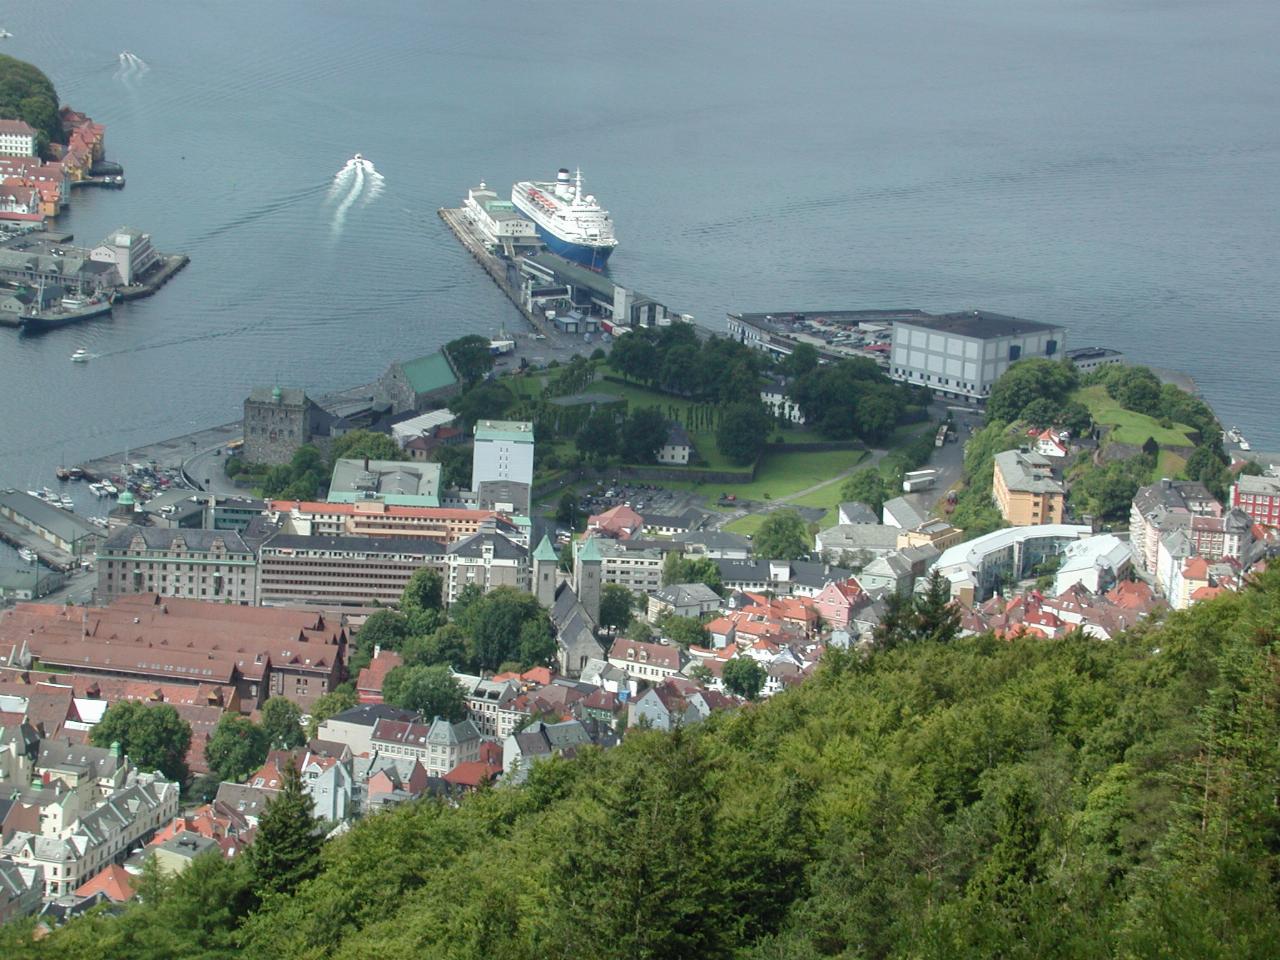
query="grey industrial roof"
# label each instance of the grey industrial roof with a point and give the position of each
(61, 523)
(386, 477)
(981, 324)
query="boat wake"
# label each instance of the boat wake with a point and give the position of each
(357, 181)
(131, 66)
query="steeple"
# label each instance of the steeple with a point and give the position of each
(545, 564)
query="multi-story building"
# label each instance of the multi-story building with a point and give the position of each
(649, 662)
(391, 481)
(1025, 490)
(1259, 497)
(130, 252)
(17, 139)
(503, 451)
(278, 421)
(487, 559)
(353, 571)
(375, 518)
(776, 395)
(259, 652)
(634, 564)
(960, 355)
(1162, 507)
(678, 448)
(199, 564)
(1229, 535)
(1089, 359)
(97, 838)
(439, 746)
(978, 566)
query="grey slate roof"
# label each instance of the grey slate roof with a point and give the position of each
(368, 714)
(853, 511)
(193, 540)
(62, 523)
(683, 594)
(473, 546)
(900, 508)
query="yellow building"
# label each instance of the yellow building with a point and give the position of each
(1025, 490)
(934, 533)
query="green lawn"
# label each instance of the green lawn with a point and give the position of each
(1132, 428)
(746, 526)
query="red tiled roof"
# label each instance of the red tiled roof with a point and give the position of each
(113, 880)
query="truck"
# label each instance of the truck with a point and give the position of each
(941, 438)
(500, 347)
(918, 480)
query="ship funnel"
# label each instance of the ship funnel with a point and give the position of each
(563, 189)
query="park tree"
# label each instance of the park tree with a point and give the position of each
(685, 631)
(567, 510)
(152, 737)
(744, 431)
(282, 723)
(681, 370)
(470, 356)
(446, 645)
(937, 619)
(744, 676)
(286, 848)
(616, 603)
(782, 536)
(385, 630)
(422, 601)
(866, 486)
(1029, 380)
(236, 748)
(488, 400)
(328, 705)
(1135, 388)
(635, 356)
(455, 466)
(643, 434)
(430, 691)
(677, 568)
(802, 358)
(598, 435)
(358, 444)
(494, 624)
(639, 632)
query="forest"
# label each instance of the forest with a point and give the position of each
(26, 94)
(939, 798)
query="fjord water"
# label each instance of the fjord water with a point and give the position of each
(1110, 165)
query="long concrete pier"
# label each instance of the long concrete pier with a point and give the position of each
(493, 265)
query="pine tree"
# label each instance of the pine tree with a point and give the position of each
(937, 619)
(286, 850)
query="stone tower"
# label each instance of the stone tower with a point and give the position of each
(545, 566)
(588, 571)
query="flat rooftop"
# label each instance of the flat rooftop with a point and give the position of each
(393, 481)
(786, 317)
(981, 324)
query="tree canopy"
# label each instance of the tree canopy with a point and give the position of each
(236, 748)
(27, 94)
(153, 737)
(1029, 381)
(616, 603)
(282, 723)
(358, 444)
(430, 691)
(744, 676)
(744, 431)
(505, 625)
(471, 357)
(286, 850)
(782, 536)
(643, 434)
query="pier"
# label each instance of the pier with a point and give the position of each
(493, 265)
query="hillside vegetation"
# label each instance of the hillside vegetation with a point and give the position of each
(26, 94)
(975, 799)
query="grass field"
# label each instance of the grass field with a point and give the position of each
(746, 526)
(1132, 428)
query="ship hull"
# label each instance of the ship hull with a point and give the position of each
(593, 257)
(43, 322)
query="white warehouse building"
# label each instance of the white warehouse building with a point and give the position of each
(960, 355)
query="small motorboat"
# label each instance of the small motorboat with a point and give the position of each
(27, 555)
(66, 502)
(80, 356)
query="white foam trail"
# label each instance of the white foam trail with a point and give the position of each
(375, 181)
(357, 187)
(130, 66)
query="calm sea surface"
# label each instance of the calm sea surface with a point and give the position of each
(1110, 165)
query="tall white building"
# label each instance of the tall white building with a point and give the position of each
(960, 355)
(504, 451)
(17, 139)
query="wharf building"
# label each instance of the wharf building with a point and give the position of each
(177, 562)
(60, 528)
(961, 355)
(122, 259)
(583, 298)
(342, 570)
(835, 334)
(498, 222)
(259, 652)
(1089, 359)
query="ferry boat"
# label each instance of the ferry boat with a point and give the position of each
(571, 223)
